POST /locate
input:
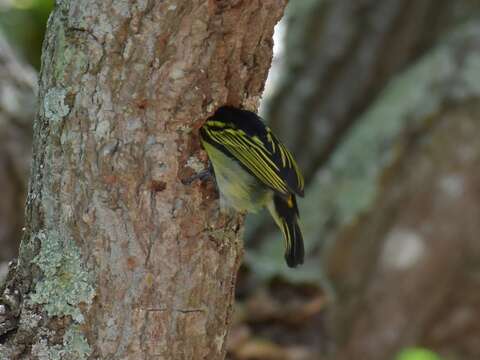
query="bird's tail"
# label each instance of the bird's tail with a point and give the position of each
(285, 213)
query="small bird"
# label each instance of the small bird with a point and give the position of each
(253, 170)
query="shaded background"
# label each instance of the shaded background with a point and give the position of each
(379, 101)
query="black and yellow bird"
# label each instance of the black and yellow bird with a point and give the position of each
(253, 170)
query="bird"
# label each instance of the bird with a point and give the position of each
(254, 170)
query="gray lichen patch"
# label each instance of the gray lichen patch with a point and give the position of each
(5, 352)
(75, 343)
(403, 249)
(65, 283)
(54, 105)
(75, 346)
(195, 164)
(45, 352)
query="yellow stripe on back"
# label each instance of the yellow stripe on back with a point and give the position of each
(253, 156)
(268, 159)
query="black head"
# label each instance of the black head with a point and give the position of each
(246, 120)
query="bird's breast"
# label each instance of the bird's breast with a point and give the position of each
(238, 188)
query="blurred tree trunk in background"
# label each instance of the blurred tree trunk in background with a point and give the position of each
(339, 56)
(119, 259)
(406, 273)
(385, 99)
(17, 106)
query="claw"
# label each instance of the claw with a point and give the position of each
(203, 175)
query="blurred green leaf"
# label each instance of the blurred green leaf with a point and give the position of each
(417, 354)
(24, 23)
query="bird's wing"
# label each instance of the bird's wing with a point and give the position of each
(262, 155)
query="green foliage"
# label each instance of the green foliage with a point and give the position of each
(24, 23)
(415, 353)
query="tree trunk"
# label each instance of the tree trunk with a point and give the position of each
(405, 268)
(17, 109)
(339, 56)
(120, 260)
(391, 212)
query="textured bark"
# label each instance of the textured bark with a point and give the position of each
(17, 109)
(120, 260)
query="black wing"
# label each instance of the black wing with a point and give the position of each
(242, 135)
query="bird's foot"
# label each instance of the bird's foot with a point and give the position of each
(203, 175)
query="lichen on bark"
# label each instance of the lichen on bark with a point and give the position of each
(54, 104)
(65, 283)
(116, 247)
(74, 346)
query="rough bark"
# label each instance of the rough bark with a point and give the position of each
(120, 260)
(17, 109)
